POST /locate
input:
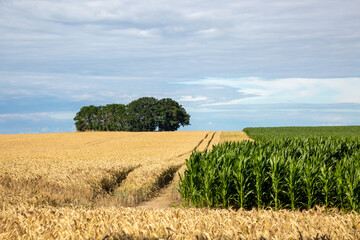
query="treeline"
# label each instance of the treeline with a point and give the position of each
(143, 114)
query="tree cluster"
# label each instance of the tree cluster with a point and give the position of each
(143, 114)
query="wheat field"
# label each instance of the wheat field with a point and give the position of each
(29, 222)
(231, 136)
(88, 186)
(73, 168)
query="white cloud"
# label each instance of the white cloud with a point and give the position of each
(68, 87)
(143, 37)
(287, 90)
(39, 115)
(66, 53)
(254, 92)
(24, 116)
(62, 115)
(211, 32)
(192, 99)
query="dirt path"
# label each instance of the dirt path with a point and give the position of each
(165, 198)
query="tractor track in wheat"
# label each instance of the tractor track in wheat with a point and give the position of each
(164, 198)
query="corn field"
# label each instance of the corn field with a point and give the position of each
(297, 173)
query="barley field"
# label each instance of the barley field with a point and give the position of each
(90, 185)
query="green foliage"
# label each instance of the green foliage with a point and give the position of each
(111, 117)
(170, 115)
(291, 132)
(143, 114)
(294, 173)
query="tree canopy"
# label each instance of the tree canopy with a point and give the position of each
(143, 114)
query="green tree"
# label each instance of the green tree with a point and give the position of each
(81, 119)
(94, 117)
(87, 118)
(141, 114)
(115, 117)
(170, 115)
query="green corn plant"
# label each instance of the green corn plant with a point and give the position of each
(276, 176)
(293, 180)
(326, 182)
(339, 175)
(309, 179)
(225, 181)
(242, 179)
(187, 185)
(192, 181)
(259, 169)
(352, 179)
(183, 189)
(209, 179)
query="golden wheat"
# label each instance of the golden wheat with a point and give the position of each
(65, 168)
(231, 136)
(28, 222)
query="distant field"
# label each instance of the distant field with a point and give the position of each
(233, 136)
(341, 131)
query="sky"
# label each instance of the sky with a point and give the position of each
(230, 64)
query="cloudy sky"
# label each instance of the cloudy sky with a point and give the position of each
(231, 64)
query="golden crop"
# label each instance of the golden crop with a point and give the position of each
(53, 186)
(29, 222)
(69, 168)
(231, 136)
